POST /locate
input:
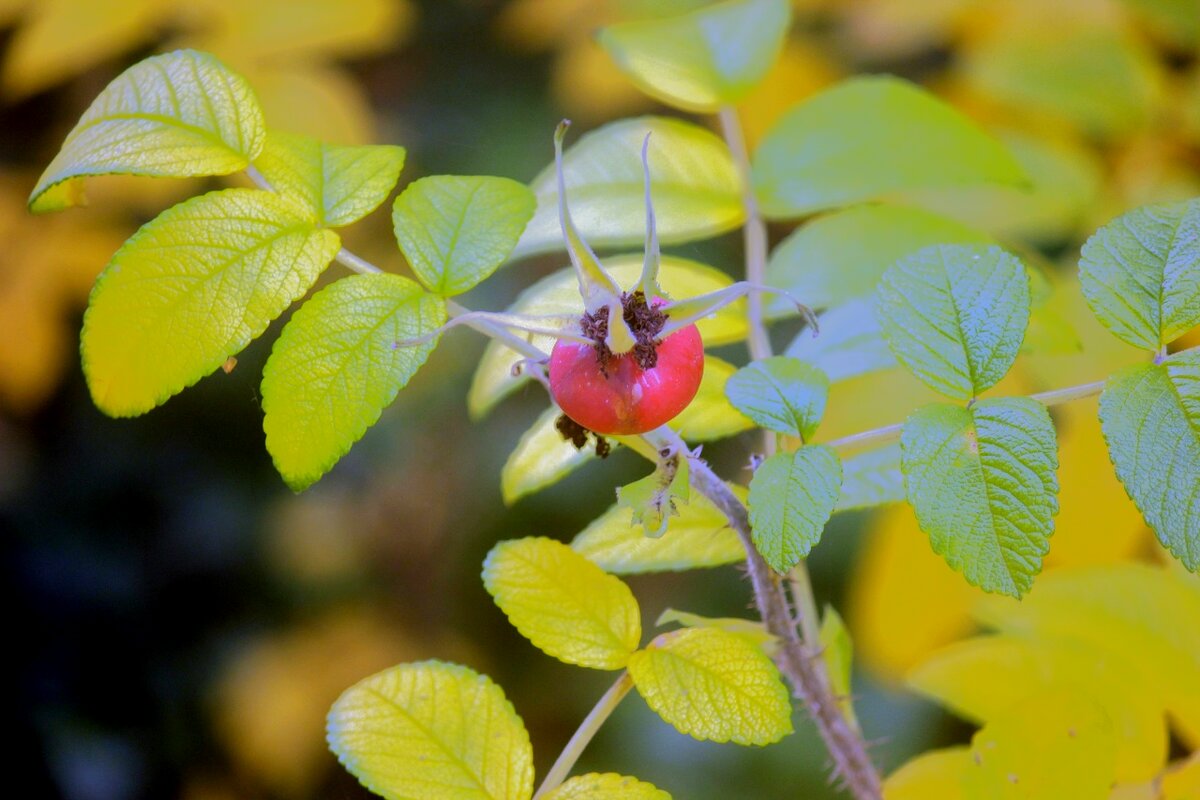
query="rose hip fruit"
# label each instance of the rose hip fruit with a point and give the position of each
(621, 397)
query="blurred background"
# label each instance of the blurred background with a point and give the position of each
(183, 621)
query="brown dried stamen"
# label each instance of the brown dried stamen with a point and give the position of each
(645, 321)
(576, 434)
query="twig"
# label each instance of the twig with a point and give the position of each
(584, 733)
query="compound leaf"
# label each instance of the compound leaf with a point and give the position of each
(606, 786)
(696, 190)
(455, 230)
(698, 536)
(713, 685)
(955, 315)
(1150, 415)
(176, 115)
(564, 604)
(559, 294)
(781, 394)
(192, 288)
(1141, 273)
(336, 184)
(792, 496)
(839, 147)
(432, 730)
(704, 59)
(982, 483)
(339, 362)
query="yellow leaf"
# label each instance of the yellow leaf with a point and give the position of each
(1054, 745)
(432, 731)
(710, 415)
(324, 102)
(608, 786)
(754, 632)
(904, 600)
(699, 536)
(800, 71)
(541, 458)
(982, 679)
(1147, 615)
(590, 87)
(59, 39)
(559, 294)
(563, 603)
(537, 25)
(1183, 782)
(936, 775)
(713, 685)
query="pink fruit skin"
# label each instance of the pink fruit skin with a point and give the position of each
(627, 399)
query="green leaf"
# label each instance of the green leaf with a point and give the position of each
(697, 193)
(176, 115)
(714, 686)
(1150, 415)
(338, 364)
(955, 315)
(432, 731)
(850, 342)
(792, 496)
(192, 288)
(337, 185)
(698, 536)
(1141, 274)
(564, 604)
(652, 498)
(837, 649)
(456, 230)
(868, 137)
(708, 58)
(871, 478)
(841, 256)
(558, 293)
(609, 786)
(982, 483)
(781, 394)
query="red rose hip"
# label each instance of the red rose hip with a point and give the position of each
(622, 397)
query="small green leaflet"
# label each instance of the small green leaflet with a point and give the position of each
(871, 478)
(191, 288)
(1141, 274)
(432, 729)
(837, 649)
(455, 230)
(177, 115)
(982, 483)
(841, 256)
(697, 193)
(792, 496)
(339, 362)
(336, 185)
(781, 394)
(698, 536)
(652, 499)
(1150, 415)
(955, 315)
(868, 137)
(704, 59)
(850, 343)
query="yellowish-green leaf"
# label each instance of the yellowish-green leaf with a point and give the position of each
(337, 185)
(432, 731)
(192, 288)
(1146, 615)
(656, 498)
(1056, 744)
(837, 649)
(541, 458)
(559, 294)
(840, 147)
(696, 190)
(699, 536)
(338, 364)
(754, 632)
(983, 678)
(704, 59)
(176, 115)
(936, 775)
(564, 604)
(713, 685)
(455, 230)
(606, 786)
(710, 415)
